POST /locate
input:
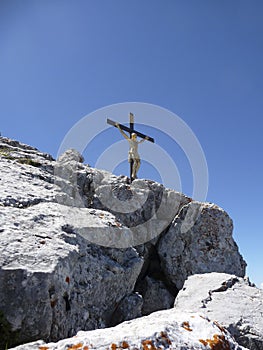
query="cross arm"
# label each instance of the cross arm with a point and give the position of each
(126, 128)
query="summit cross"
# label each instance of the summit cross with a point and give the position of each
(133, 156)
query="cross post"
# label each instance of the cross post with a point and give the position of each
(131, 131)
(133, 143)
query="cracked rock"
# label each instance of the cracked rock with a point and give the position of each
(160, 330)
(232, 301)
(199, 240)
(73, 246)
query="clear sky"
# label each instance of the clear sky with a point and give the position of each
(61, 60)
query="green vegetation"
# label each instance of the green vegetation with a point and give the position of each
(6, 153)
(28, 161)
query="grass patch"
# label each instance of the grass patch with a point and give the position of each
(28, 161)
(6, 153)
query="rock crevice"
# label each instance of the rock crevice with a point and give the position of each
(86, 249)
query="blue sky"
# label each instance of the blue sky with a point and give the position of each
(61, 60)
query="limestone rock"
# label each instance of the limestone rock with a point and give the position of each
(26, 175)
(155, 294)
(199, 241)
(69, 156)
(161, 330)
(68, 283)
(144, 206)
(130, 307)
(76, 242)
(230, 300)
(53, 282)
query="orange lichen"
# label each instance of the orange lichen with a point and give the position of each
(86, 347)
(75, 346)
(218, 342)
(125, 345)
(222, 329)
(186, 326)
(43, 348)
(165, 338)
(203, 342)
(148, 345)
(53, 302)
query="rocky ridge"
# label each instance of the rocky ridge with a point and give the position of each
(86, 249)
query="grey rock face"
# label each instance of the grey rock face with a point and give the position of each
(199, 241)
(156, 296)
(76, 244)
(130, 307)
(160, 330)
(25, 176)
(53, 282)
(230, 300)
(146, 207)
(157, 291)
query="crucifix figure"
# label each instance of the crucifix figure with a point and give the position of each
(133, 156)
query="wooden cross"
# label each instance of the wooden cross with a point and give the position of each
(131, 131)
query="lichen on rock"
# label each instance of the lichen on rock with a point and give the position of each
(83, 249)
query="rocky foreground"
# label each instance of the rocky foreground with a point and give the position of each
(82, 250)
(160, 330)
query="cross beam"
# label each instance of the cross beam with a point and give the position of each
(131, 131)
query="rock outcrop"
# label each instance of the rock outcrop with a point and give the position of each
(233, 301)
(212, 311)
(83, 249)
(199, 240)
(53, 281)
(160, 330)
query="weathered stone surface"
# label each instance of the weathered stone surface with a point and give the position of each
(129, 307)
(199, 241)
(230, 300)
(25, 177)
(54, 282)
(146, 207)
(67, 233)
(161, 330)
(68, 283)
(155, 294)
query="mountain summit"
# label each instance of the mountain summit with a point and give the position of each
(83, 249)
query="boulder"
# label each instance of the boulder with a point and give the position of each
(77, 244)
(230, 300)
(53, 281)
(199, 240)
(161, 330)
(144, 206)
